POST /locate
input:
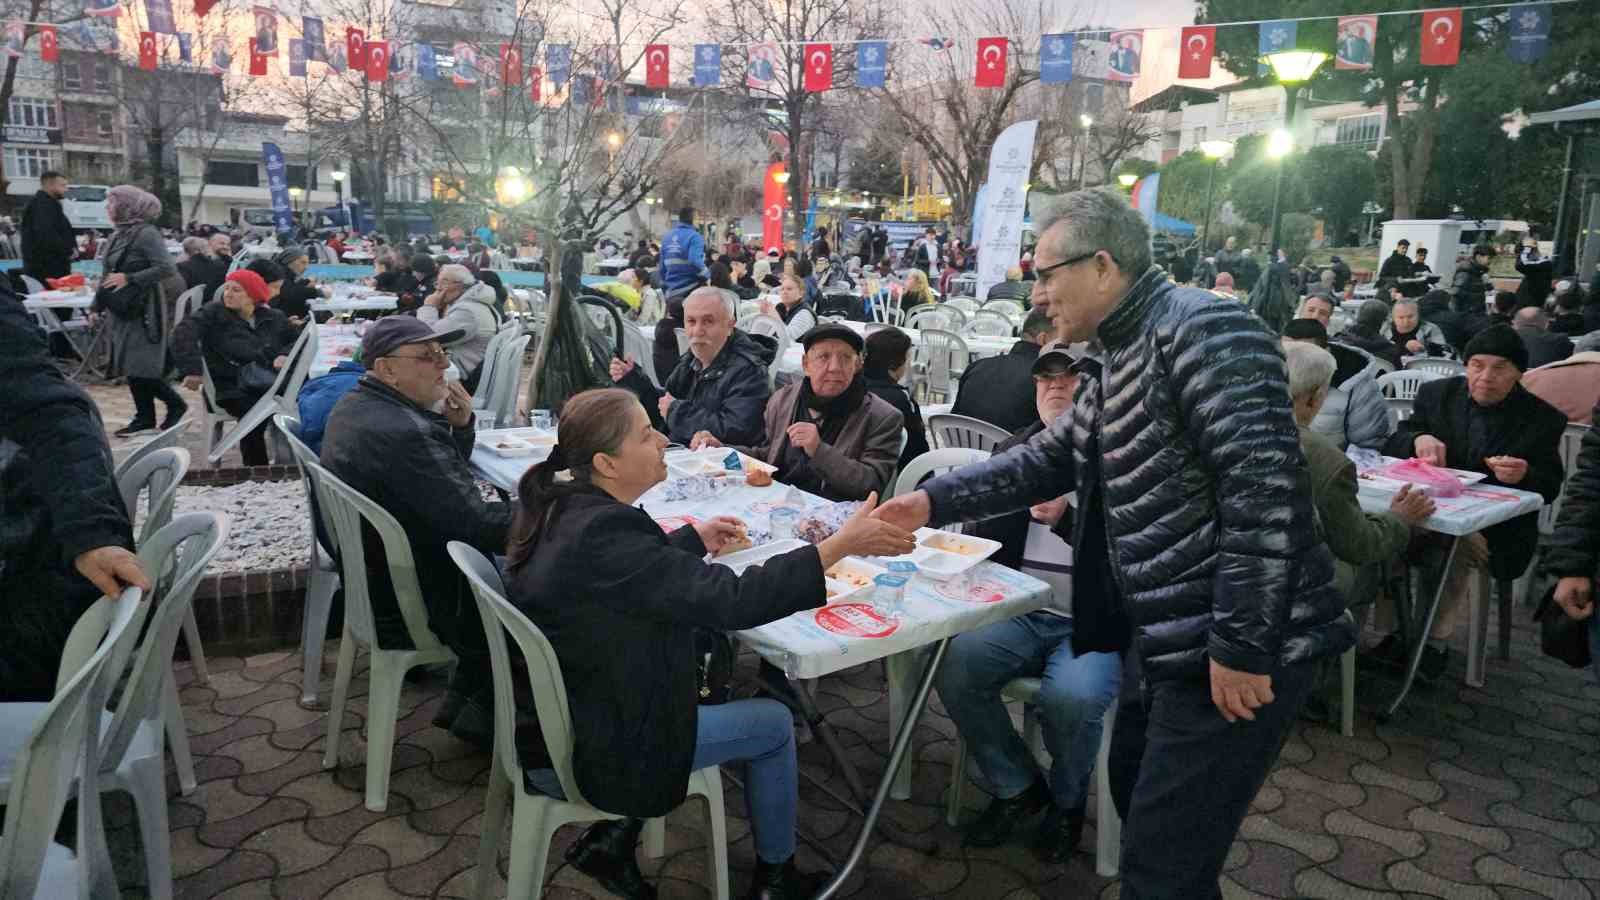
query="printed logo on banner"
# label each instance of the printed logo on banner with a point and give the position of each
(707, 64)
(558, 63)
(855, 620)
(872, 60)
(1127, 51)
(1530, 32)
(1055, 59)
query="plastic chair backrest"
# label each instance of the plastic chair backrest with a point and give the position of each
(349, 509)
(159, 472)
(935, 462)
(508, 375)
(168, 438)
(1443, 367)
(886, 307)
(1005, 307)
(637, 344)
(770, 326)
(33, 284)
(1403, 385)
(301, 356)
(64, 738)
(966, 304)
(183, 548)
(935, 317)
(748, 308)
(940, 352)
(544, 673)
(189, 303)
(989, 326)
(491, 363)
(289, 427)
(683, 340)
(948, 431)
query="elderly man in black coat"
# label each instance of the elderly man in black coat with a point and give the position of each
(48, 244)
(1484, 421)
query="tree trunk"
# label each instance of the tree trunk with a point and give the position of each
(557, 249)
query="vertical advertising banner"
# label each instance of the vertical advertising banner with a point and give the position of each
(1005, 199)
(278, 184)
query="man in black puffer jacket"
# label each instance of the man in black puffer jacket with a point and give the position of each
(1469, 285)
(1197, 552)
(1572, 552)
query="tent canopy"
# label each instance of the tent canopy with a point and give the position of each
(1579, 112)
(1172, 225)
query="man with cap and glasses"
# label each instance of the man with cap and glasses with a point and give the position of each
(1076, 688)
(403, 438)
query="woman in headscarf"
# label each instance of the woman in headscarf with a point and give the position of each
(134, 292)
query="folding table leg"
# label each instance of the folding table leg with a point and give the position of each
(1421, 641)
(1477, 629)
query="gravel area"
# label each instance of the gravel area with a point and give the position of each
(267, 523)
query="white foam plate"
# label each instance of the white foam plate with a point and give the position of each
(936, 555)
(756, 555)
(688, 463)
(849, 577)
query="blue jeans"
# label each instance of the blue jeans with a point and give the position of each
(756, 731)
(1073, 698)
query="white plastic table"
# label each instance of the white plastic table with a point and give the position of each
(817, 642)
(1479, 506)
(356, 256)
(84, 338)
(336, 342)
(612, 265)
(350, 303)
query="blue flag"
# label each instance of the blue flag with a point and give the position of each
(580, 90)
(316, 40)
(185, 47)
(278, 185)
(707, 64)
(297, 58)
(160, 15)
(1055, 60)
(872, 64)
(1530, 32)
(558, 63)
(1275, 36)
(427, 62)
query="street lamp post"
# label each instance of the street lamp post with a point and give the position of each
(1085, 121)
(1214, 151)
(338, 177)
(1292, 68)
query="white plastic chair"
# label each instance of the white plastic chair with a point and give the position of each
(348, 509)
(1404, 384)
(323, 580)
(936, 316)
(1008, 308)
(189, 303)
(168, 438)
(946, 430)
(967, 305)
(160, 473)
(1444, 368)
(491, 362)
(535, 818)
(502, 403)
(33, 284)
(886, 307)
(934, 462)
(52, 745)
(748, 308)
(1108, 827)
(281, 397)
(939, 358)
(989, 326)
(131, 756)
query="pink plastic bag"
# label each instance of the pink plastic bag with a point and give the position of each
(1434, 481)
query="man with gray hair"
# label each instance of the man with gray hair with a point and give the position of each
(463, 304)
(1366, 333)
(1544, 347)
(1196, 552)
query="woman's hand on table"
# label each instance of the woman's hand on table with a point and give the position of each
(702, 440)
(864, 535)
(716, 532)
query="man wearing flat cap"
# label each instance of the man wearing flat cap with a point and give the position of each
(827, 433)
(403, 438)
(1483, 421)
(298, 293)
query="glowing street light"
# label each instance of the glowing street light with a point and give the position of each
(1280, 143)
(511, 187)
(1086, 120)
(1127, 179)
(1292, 67)
(1214, 150)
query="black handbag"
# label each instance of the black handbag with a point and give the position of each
(1561, 636)
(256, 378)
(713, 664)
(126, 302)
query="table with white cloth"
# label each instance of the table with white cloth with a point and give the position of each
(813, 643)
(1478, 507)
(355, 256)
(612, 265)
(353, 303)
(336, 343)
(978, 346)
(85, 339)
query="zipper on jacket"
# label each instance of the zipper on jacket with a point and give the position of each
(1111, 548)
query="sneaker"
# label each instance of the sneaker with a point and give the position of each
(1434, 661)
(137, 426)
(175, 414)
(1003, 817)
(1059, 834)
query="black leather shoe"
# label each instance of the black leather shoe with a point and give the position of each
(1059, 834)
(175, 414)
(1434, 662)
(605, 853)
(449, 708)
(1003, 817)
(782, 881)
(137, 426)
(1389, 651)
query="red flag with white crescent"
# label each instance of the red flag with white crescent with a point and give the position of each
(1195, 51)
(1441, 37)
(991, 62)
(774, 198)
(819, 67)
(355, 48)
(258, 60)
(147, 51)
(656, 72)
(377, 60)
(49, 47)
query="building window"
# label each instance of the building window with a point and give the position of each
(297, 177)
(103, 123)
(235, 174)
(1364, 129)
(28, 162)
(32, 112)
(1199, 134)
(72, 74)
(102, 76)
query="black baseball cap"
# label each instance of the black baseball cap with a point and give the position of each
(1053, 354)
(832, 331)
(393, 332)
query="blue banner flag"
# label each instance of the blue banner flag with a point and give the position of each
(1274, 36)
(278, 184)
(185, 47)
(316, 40)
(427, 62)
(872, 64)
(1055, 59)
(707, 64)
(160, 15)
(1530, 32)
(297, 58)
(558, 63)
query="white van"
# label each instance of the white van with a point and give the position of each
(85, 206)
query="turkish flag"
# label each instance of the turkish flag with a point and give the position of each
(656, 74)
(49, 47)
(819, 67)
(1441, 37)
(774, 197)
(535, 83)
(355, 48)
(258, 61)
(991, 62)
(201, 7)
(377, 60)
(1195, 50)
(147, 51)
(510, 64)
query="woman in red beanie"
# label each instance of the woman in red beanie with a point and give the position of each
(242, 342)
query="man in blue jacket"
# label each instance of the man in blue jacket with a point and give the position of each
(319, 396)
(683, 255)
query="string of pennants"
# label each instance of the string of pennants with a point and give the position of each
(1107, 55)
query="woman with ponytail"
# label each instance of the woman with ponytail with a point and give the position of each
(619, 600)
